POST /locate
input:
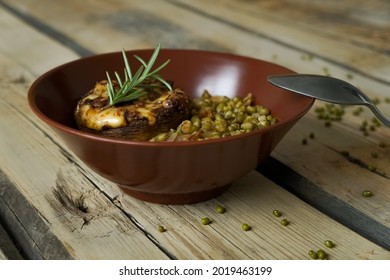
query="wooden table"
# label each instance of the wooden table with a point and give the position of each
(315, 177)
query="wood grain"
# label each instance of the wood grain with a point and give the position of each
(8, 251)
(91, 218)
(29, 230)
(119, 223)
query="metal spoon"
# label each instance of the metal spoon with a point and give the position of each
(327, 89)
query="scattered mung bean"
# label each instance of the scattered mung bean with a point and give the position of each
(245, 227)
(371, 167)
(328, 243)
(205, 221)
(276, 213)
(313, 254)
(220, 209)
(284, 222)
(321, 254)
(367, 193)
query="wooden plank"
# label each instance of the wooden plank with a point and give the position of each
(36, 60)
(262, 25)
(252, 200)
(324, 160)
(105, 232)
(332, 205)
(358, 22)
(8, 250)
(262, 30)
(117, 23)
(46, 29)
(309, 27)
(31, 233)
(122, 227)
(38, 189)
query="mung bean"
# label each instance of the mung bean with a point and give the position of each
(219, 116)
(313, 254)
(321, 254)
(220, 209)
(328, 243)
(367, 193)
(205, 221)
(284, 222)
(245, 227)
(276, 213)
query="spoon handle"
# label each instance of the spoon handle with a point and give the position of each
(378, 114)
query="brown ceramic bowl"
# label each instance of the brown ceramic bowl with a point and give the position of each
(170, 173)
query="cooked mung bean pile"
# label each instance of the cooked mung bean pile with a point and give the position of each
(219, 116)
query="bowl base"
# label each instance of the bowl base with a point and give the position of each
(177, 198)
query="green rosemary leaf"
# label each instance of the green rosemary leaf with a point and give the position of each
(133, 86)
(118, 78)
(141, 60)
(163, 81)
(137, 79)
(110, 87)
(127, 66)
(152, 59)
(137, 94)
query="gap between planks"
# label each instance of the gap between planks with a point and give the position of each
(325, 202)
(26, 227)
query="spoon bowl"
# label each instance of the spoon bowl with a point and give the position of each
(327, 89)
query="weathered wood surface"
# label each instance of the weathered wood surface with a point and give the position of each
(323, 37)
(8, 250)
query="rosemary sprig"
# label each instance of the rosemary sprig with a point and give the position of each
(133, 87)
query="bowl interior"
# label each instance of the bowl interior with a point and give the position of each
(55, 94)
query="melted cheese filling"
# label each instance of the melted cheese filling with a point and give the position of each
(115, 117)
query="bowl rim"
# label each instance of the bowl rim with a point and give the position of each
(122, 141)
